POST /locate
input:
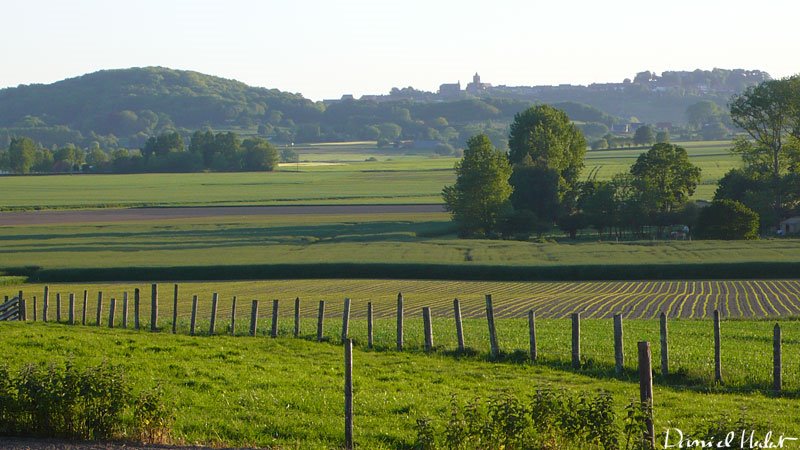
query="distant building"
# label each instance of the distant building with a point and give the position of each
(476, 86)
(450, 90)
(621, 128)
(664, 126)
(790, 225)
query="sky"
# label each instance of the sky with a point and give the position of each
(326, 48)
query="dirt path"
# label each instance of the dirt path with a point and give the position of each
(135, 214)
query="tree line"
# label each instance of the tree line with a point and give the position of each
(167, 152)
(537, 185)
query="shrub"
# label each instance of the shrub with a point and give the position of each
(728, 220)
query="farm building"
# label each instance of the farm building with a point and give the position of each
(790, 225)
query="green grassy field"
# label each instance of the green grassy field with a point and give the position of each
(286, 392)
(393, 178)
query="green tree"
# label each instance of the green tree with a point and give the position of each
(714, 131)
(728, 220)
(546, 135)
(202, 143)
(535, 190)
(259, 155)
(662, 137)
(481, 192)
(163, 143)
(21, 155)
(703, 112)
(665, 177)
(644, 135)
(70, 158)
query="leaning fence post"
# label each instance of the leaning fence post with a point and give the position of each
(85, 304)
(346, 319)
(664, 346)
(175, 311)
(777, 361)
(45, 303)
(534, 353)
(274, 330)
(58, 307)
(253, 318)
(297, 317)
(214, 301)
(646, 390)
(194, 316)
(111, 310)
(400, 321)
(717, 353)
(369, 326)
(99, 308)
(576, 340)
(136, 302)
(495, 349)
(71, 311)
(459, 325)
(154, 307)
(320, 320)
(233, 317)
(428, 327)
(348, 394)
(619, 356)
(125, 309)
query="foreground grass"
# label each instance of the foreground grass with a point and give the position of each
(287, 392)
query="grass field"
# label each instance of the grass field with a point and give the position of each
(287, 392)
(392, 178)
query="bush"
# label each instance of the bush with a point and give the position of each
(727, 220)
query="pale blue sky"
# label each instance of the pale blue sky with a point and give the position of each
(324, 49)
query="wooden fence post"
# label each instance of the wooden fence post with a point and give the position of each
(400, 321)
(111, 310)
(233, 317)
(619, 356)
(346, 319)
(320, 320)
(495, 348)
(777, 360)
(194, 316)
(71, 310)
(369, 326)
(274, 330)
(646, 390)
(348, 394)
(717, 349)
(534, 353)
(34, 309)
(99, 320)
(664, 346)
(85, 305)
(576, 340)
(214, 301)
(58, 307)
(125, 309)
(428, 327)
(254, 318)
(459, 325)
(136, 302)
(23, 308)
(175, 312)
(297, 317)
(45, 303)
(154, 307)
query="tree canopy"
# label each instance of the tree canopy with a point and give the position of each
(665, 176)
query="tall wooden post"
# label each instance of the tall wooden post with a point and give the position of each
(111, 310)
(274, 330)
(576, 340)
(34, 309)
(85, 304)
(99, 320)
(646, 390)
(194, 316)
(369, 326)
(534, 352)
(777, 360)
(23, 308)
(214, 302)
(254, 318)
(125, 309)
(71, 310)
(348, 394)
(619, 355)
(175, 311)
(664, 346)
(346, 319)
(233, 317)
(400, 321)
(154, 307)
(136, 303)
(297, 317)
(58, 307)
(320, 320)
(428, 327)
(495, 348)
(45, 303)
(717, 349)
(459, 325)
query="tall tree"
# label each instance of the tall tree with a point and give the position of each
(21, 155)
(644, 135)
(481, 191)
(259, 154)
(665, 177)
